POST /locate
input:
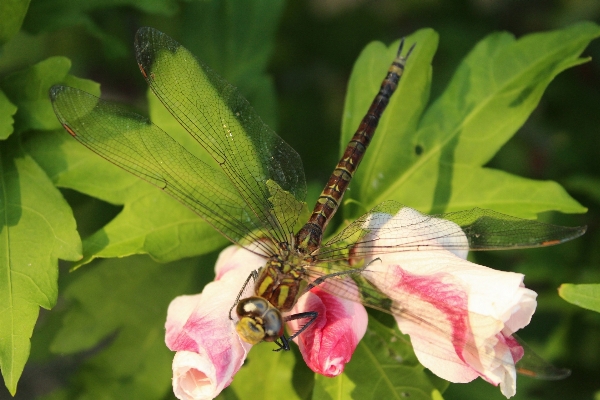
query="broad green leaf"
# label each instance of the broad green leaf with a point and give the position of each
(151, 221)
(7, 110)
(435, 161)
(126, 301)
(585, 295)
(382, 367)
(266, 372)
(12, 13)
(37, 229)
(340, 387)
(28, 90)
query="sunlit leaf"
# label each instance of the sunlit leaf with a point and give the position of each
(173, 233)
(264, 362)
(28, 90)
(435, 161)
(37, 229)
(585, 295)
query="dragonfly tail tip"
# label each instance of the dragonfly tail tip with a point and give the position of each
(400, 47)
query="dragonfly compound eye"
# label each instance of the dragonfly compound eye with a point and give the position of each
(259, 321)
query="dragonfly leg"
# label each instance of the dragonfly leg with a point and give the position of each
(254, 276)
(285, 341)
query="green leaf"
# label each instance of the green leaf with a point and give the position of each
(12, 13)
(151, 221)
(126, 301)
(28, 90)
(585, 295)
(7, 110)
(37, 229)
(383, 366)
(266, 372)
(432, 158)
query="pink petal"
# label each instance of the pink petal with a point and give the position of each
(209, 351)
(327, 345)
(459, 315)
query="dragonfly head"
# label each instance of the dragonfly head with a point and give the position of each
(259, 320)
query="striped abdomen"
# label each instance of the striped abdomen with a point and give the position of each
(308, 239)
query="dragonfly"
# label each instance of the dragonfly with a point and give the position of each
(253, 192)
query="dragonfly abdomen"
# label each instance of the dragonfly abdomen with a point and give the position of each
(308, 239)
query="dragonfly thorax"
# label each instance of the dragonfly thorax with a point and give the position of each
(281, 281)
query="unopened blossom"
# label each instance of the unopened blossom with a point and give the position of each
(328, 344)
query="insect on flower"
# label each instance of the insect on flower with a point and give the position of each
(393, 258)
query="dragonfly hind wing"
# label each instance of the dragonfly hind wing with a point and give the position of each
(436, 329)
(392, 227)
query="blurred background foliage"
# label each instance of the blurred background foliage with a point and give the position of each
(308, 64)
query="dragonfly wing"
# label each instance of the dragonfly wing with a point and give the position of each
(392, 227)
(223, 122)
(437, 328)
(133, 143)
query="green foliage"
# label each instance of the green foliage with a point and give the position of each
(585, 296)
(37, 229)
(438, 152)
(278, 367)
(12, 13)
(28, 90)
(38, 226)
(439, 156)
(120, 307)
(387, 369)
(7, 110)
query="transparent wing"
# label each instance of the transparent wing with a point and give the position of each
(378, 232)
(133, 143)
(442, 339)
(223, 122)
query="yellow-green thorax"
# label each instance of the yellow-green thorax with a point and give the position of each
(281, 281)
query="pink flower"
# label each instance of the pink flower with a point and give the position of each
(327, 345)
(209, 351)
(460, 315)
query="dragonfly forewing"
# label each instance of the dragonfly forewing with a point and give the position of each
(133, 143)
(214, 112)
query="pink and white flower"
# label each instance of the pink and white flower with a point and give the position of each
(209, 351)
(460, 315)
